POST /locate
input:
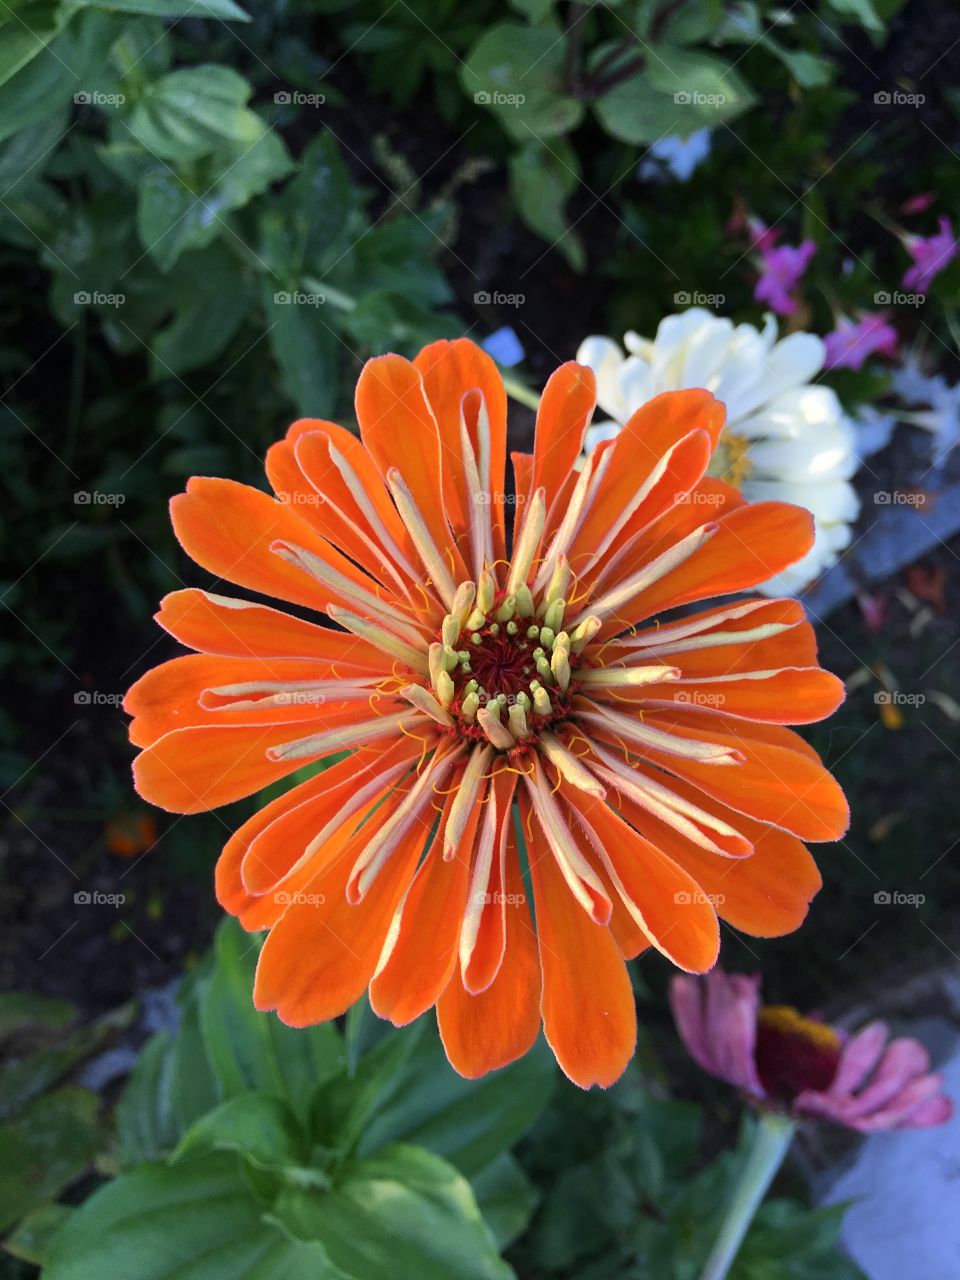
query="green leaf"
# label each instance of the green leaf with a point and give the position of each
(304, 346)
(542, 178)
(197, 1221)
(196, 1088)
(808, 69)
(146, 1115)
(76, 60)
(861, 11)
(23, 40)
(401, 1215)
(516, 73)
(203, 322)
(226, 10)
(178, 212)
(252, 1051)
(33, 1236)
(45, 1148)
(506, 1196)
(688, 22)
(468, 1122)
(189, 113)
(23, 1009)
(704, 88)
(259, 1127)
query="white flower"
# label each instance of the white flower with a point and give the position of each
(942, 418)
(784, 439)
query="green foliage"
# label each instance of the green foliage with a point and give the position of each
(261, 1143)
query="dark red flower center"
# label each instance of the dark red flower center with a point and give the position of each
(794, 1053)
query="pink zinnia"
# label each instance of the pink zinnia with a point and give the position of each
(798, 1065)
(930, 255)
(852, 341)
(780, 270)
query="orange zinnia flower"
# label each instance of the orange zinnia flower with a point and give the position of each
(655, 784)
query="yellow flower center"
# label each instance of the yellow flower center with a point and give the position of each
(731, 460)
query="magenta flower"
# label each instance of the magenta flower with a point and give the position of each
(852, 341)
(930, 255)
(799, 1066)
(781, 267)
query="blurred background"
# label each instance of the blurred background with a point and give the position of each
(209, 218)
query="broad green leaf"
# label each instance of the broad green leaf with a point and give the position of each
(74, 61)
(468, 1122)
(197, 1221)
(33, 1235)
(253, 1051)
(305, 347)
(204, 322)
(45, 1148)
(146, 1115)
(22, 38)
(178, 212)
(506, 1196)
(189, 113)
(226, 10)
(317, 205)
(401, 1215)
(255, 1125)
(808, 69)
(542, 178)
(516, 72)
(688, 22)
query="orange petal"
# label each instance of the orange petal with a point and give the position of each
(566, 407)
(320, 955)
(229, 528)
(241, 629)
(752, 544)
(776, 784)
(589, 1016)
(483, 1032)
(767, 894)
(792, 696)
(399, 430)
(450, 370)
(673, 911)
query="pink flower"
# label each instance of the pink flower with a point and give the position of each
(787, 1062)
(781, 268)
(919, 203)
(930, 255)
(851, 342)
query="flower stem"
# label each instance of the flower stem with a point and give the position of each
(523, 395)
(772, 1139)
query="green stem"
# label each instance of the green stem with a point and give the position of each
(771, 1141)
(520, 393)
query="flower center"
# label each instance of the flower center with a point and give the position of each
(731, 460)
(794, 1053)
(503, 665)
